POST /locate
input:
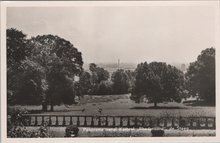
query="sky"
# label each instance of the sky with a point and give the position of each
(172, 34)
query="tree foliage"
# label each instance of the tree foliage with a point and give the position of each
(131, 76)
(121, 82)
(16, 53)
(98, 74)
(85, 82)
(61, 61)
(98, 77)
(41, 70)
(200, 76)
(16, 125)
(104, 88)
(159, 82)
(16, 47)
(30, 84)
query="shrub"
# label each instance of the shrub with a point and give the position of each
(16, 118)
(71, 131)
(16, 126)
(157, 132)
(22, 132)
(18, 131)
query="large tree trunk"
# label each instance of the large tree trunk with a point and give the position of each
(51, 107)
(155, 104)
(44, 106)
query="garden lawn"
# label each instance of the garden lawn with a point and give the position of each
(122, 105)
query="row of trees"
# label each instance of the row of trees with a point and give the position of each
(157, 81)
(97, 81)
(43, 70)
(160, 82)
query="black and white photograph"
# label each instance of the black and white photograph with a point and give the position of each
(110, 70)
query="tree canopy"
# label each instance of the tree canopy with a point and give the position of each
(61, 61)
(99, 76)
(200, 76)
(42, 70)
(16, 53)
(121, 82)
(16, 47)
(85, 82)
(45, 68)
(158, 82)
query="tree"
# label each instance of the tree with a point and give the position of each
(85, 82)
(200, 76)
(159, 82)
(67, 57)
(131, 76)
(121, 82)
(98, 75)
(47, 73)
(16, 47)
(61, 61)
(104, 88)
(30, 83)
(16, 53)
(61, 90)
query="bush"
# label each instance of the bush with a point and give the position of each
(22, 132)
(71, 131)
(15, 117)
(157, 132)
(18, 131)
(16, 126)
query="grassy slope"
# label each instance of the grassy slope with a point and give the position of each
(122, 105)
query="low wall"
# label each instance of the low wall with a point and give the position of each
(126, 132)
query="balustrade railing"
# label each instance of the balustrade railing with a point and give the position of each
(120, 121)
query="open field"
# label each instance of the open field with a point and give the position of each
(122, 105)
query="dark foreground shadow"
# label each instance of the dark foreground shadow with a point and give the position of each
(159, 107)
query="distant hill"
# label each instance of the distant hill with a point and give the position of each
(112, 67)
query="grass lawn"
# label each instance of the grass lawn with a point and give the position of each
(122, 105)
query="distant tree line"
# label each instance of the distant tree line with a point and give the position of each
(43, 70)
(97, 81)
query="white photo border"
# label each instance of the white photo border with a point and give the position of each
(6, 4)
